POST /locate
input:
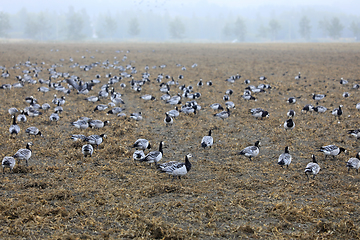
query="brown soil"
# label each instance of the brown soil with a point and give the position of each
(61, 195)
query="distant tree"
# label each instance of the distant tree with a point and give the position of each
(227, 31)
(177, 28)
(305, 28)
(75, 25)
(354, 27)
(110, 26)
(263, 32)
(134, 29)
(324, 25)
(4, 24)
(43, 26)
(274, 28)
(240, 29)
(335, 28)
(31, 27)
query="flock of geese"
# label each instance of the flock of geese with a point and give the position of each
(185, 102)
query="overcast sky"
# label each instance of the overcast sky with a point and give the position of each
(180, 7)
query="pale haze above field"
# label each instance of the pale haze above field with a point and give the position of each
(186, 20)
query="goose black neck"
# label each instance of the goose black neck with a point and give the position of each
(187, 163)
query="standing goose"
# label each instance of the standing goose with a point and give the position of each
(95, 139)
(168, 120)
(137, 116)
(87, 150)
(174, 113)
(98, 123)
(207, 141)
(13, 111)
(14, 128)
(355, 133)
(142, 144)
(21, 117)
(24, 153)
(223, 114)
(332, 150)
(354, 163)
(81, 124)
(33, 131)
(155, 156)
(176, 169)
(251, 151)
(54, 117)
(285, 158)
(8, 162)
(337, 112)
(289, 124)
(312, 168)
(291, 113)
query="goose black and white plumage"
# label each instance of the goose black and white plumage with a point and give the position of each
(355, 133)
(229, 92)
(147, 97)
(14, 128)
(98, 123)
(87, 150)
(320, 109)
(8, 162)
(354, 163)
(176, 169)
(285, 158)
(259, 113)
(209, 83)
(298, 76)
(92, 99)
(154, 156)
(100, 107)
(332, 150)
(21, 117)
(81, 124)
(45, 106)
(13, 111)
(291, 100)
(207, 141)
(307, 108)
(138, 154)
(54, 117)
(223, 114)
(230, 104)
(168, 120)
(291, 113)
(262, 78)
(188, 110)
(216, 106)
(95, 139)
(115, 110)
(174, 113)
(24, 153)
(76, 137)
(346, 94)
(251, 151)
(289, 124)
(226, 97)
(337, 112)
(318, 97)
(357, 106)
(312, 168)
(343, 81)
(142, 144)
(137, 116)
(33, 131)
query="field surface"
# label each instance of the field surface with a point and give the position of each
(62, 195)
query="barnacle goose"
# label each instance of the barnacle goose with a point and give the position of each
(226, 97)
(142, 144)
(13, 111)
(207, 141)
(358, 106)
(115, 110)
(188, 110)
(21, 117)
(346, 94)
(320, 109)
(307, 108)
(33, 131)
(343, 81)
(92, 99)
(168, 120)
(251, 151)
(95, 139)
(137, 116)
(81, 124)
(45, 106)
(174, 113)
(176, 169)
(354, 163)
(87, 150)
(298, 76)
(223, 114)
(318, 97)
(337, 112)
(200, 83)
(100, 107)
(332, 150)
(155, 156)
(291, 113)
(355, 133)
(209, 83)
(291, 100)
(54, 117)
(259, 113)
(249, 97)
(230, 104)
(24, 153)
(14, 128)
(289, 124)
(147, 97)
(216, 106)
(285, 158)
(312, 168)
(262, 78)
(165, 97)
(138, 154)
(8, 162)
(76, 137)
(98, 123)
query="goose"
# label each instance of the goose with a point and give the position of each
(165, 97)
(173, 113)
(355, 133)
(137, 116)
(298, 76)
(92, 99)
(223, 114)
(207, 141)
(209, 83)
(45, 106)
(58, 108)
(164, 88)
(291, 113)
(337, 112)
(259, 113)
(174, 100)
(61, 101)
(54, 117)
(81, 124)
(14, 128)
(76, 137)
(95, 139)
(176, 169)
(98, 123)
(343, 81)
(141, 144)
(230, 105)
(346, 94)
(262, 78)
(289, 124)
(216, 106)
(320, 109)
(356, 86)
(291, 100)
(24, 153)
(168, 120)
(354, 163)
(200, 83)
(332, 150)
(226, 97)
(33, 131)
(229, 92)
(32, 112)
(307, 108)
(138, 154)
(117, 100)
(188, 110)
(285, 158)
(247, 81)
(21, 117)
(115, 110)
(6, 86)
(13, 111)
(147, 97)
(87, 150)
(357, 106)
(100, 107)
(8, 162)
(251, 151)
(318, 97)
(249, 97)
(312, 168)
(154, 156)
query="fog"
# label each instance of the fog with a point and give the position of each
(181, 21)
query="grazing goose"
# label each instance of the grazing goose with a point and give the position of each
(81, 124)
(259, 113)
(332, 150)
(21, 117)
(216, 106)
(142, 144)
(176, 169)
(115, 110)
(76, 137)
(320, 109)
(87, 150)
(93, 99)
(137, 116)
(285, 158)
(357, 106)
(251, 151)
(223, 114)
(43, 89)
(14, 128)
(249, 97)
(95, 139)
(207, 141)
(8, 162)
(45, 106)
(168, 120)
(13, 111)
(337, 112)
(318, 97)
(312, 168)
(165, 97)
(298, 76)
(100, 107)
(291, 100)
(289, 124)
(346, 94)
(98, 123)
(24, 153)
(291, 113)
(226, 97)
(355, 133)
(209, 83)
(147, 97)
(54, 117)
(354, 163)
(343, 81)
(262, 78)
(138, 154)
(188, 110)
(174, 113)
(33, 131)
(155, 156)
(307, 108)
(230, 105)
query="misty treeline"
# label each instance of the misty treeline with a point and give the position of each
(76, 25)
